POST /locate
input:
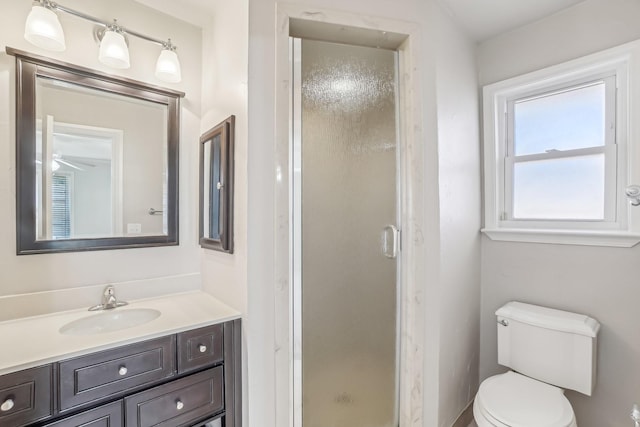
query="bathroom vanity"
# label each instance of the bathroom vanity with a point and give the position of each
(181, 369)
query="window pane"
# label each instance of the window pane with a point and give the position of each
(566, 188)
(60, 207)
(562, 120)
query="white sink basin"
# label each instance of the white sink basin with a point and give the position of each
(110, 321)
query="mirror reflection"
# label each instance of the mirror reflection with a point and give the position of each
(216, 187)
(100, 163)
(213, 185)
(97, 159)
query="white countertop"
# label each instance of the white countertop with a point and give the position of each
(34, 341)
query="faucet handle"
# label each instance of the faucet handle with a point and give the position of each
(109, 300)
(109, 297)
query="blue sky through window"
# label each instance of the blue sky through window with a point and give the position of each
(563, 121)
(568, 188)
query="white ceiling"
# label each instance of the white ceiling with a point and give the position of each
(480, 19)
(197, 12)
(483, 19)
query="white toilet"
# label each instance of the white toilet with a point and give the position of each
(548, 351)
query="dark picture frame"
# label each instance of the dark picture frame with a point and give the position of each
(216, 186)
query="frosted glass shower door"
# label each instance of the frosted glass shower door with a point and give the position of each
(345, 180)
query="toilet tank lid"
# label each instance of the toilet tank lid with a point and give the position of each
(549, 318)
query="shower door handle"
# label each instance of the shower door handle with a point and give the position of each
(390, 241)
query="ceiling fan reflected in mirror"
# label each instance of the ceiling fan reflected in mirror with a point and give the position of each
(58, 160)
(75, 164)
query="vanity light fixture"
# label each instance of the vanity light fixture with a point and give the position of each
(168, 66)
(43, 29)
(114, 51)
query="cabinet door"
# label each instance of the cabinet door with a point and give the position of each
(111, 373)
(25, 396)
(179, 403)
(104, 416)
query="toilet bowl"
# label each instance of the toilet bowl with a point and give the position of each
(547, 351)
(514, 400)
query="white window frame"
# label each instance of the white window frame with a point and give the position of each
(611, 219)
(617, 228)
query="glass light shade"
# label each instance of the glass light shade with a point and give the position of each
(43, 29)
(114, 51)
(168, 67)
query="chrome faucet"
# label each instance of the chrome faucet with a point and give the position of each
(109, 300)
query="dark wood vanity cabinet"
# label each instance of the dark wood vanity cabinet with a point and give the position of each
(26, 396)
(109, 415)
(99, 376)
(200, 347)
(185, 379)
(178, 403)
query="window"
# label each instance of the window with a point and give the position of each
(61, 205)
(555, 154)
(560, 156)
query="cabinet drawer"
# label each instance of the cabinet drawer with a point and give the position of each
(104, 416)
(200, 348)
(25, 396)
(179, 403)
(110, 373)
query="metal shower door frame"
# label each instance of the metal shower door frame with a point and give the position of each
(295, 230)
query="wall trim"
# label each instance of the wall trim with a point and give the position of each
(413, 273)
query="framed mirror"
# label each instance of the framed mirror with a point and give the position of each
(97, 159)
(216, 187)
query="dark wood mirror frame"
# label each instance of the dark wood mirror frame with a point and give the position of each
(28, 68)
(219, 209)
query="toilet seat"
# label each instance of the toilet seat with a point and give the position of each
(483, 419)
(514, 400)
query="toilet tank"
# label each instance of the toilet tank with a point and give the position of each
(553, 346)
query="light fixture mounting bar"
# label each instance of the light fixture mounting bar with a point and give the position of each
(105, 24)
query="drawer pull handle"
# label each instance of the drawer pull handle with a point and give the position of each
(179, 405)
(202, 348)
(6, 405)
(122, 370)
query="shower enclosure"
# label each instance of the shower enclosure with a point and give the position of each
(345, 240)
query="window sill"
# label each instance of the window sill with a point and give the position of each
(565, 237)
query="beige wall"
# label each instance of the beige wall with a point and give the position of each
(34, 273)
(459, 171)
(588, 27)
(598, 281)
(224, 92)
